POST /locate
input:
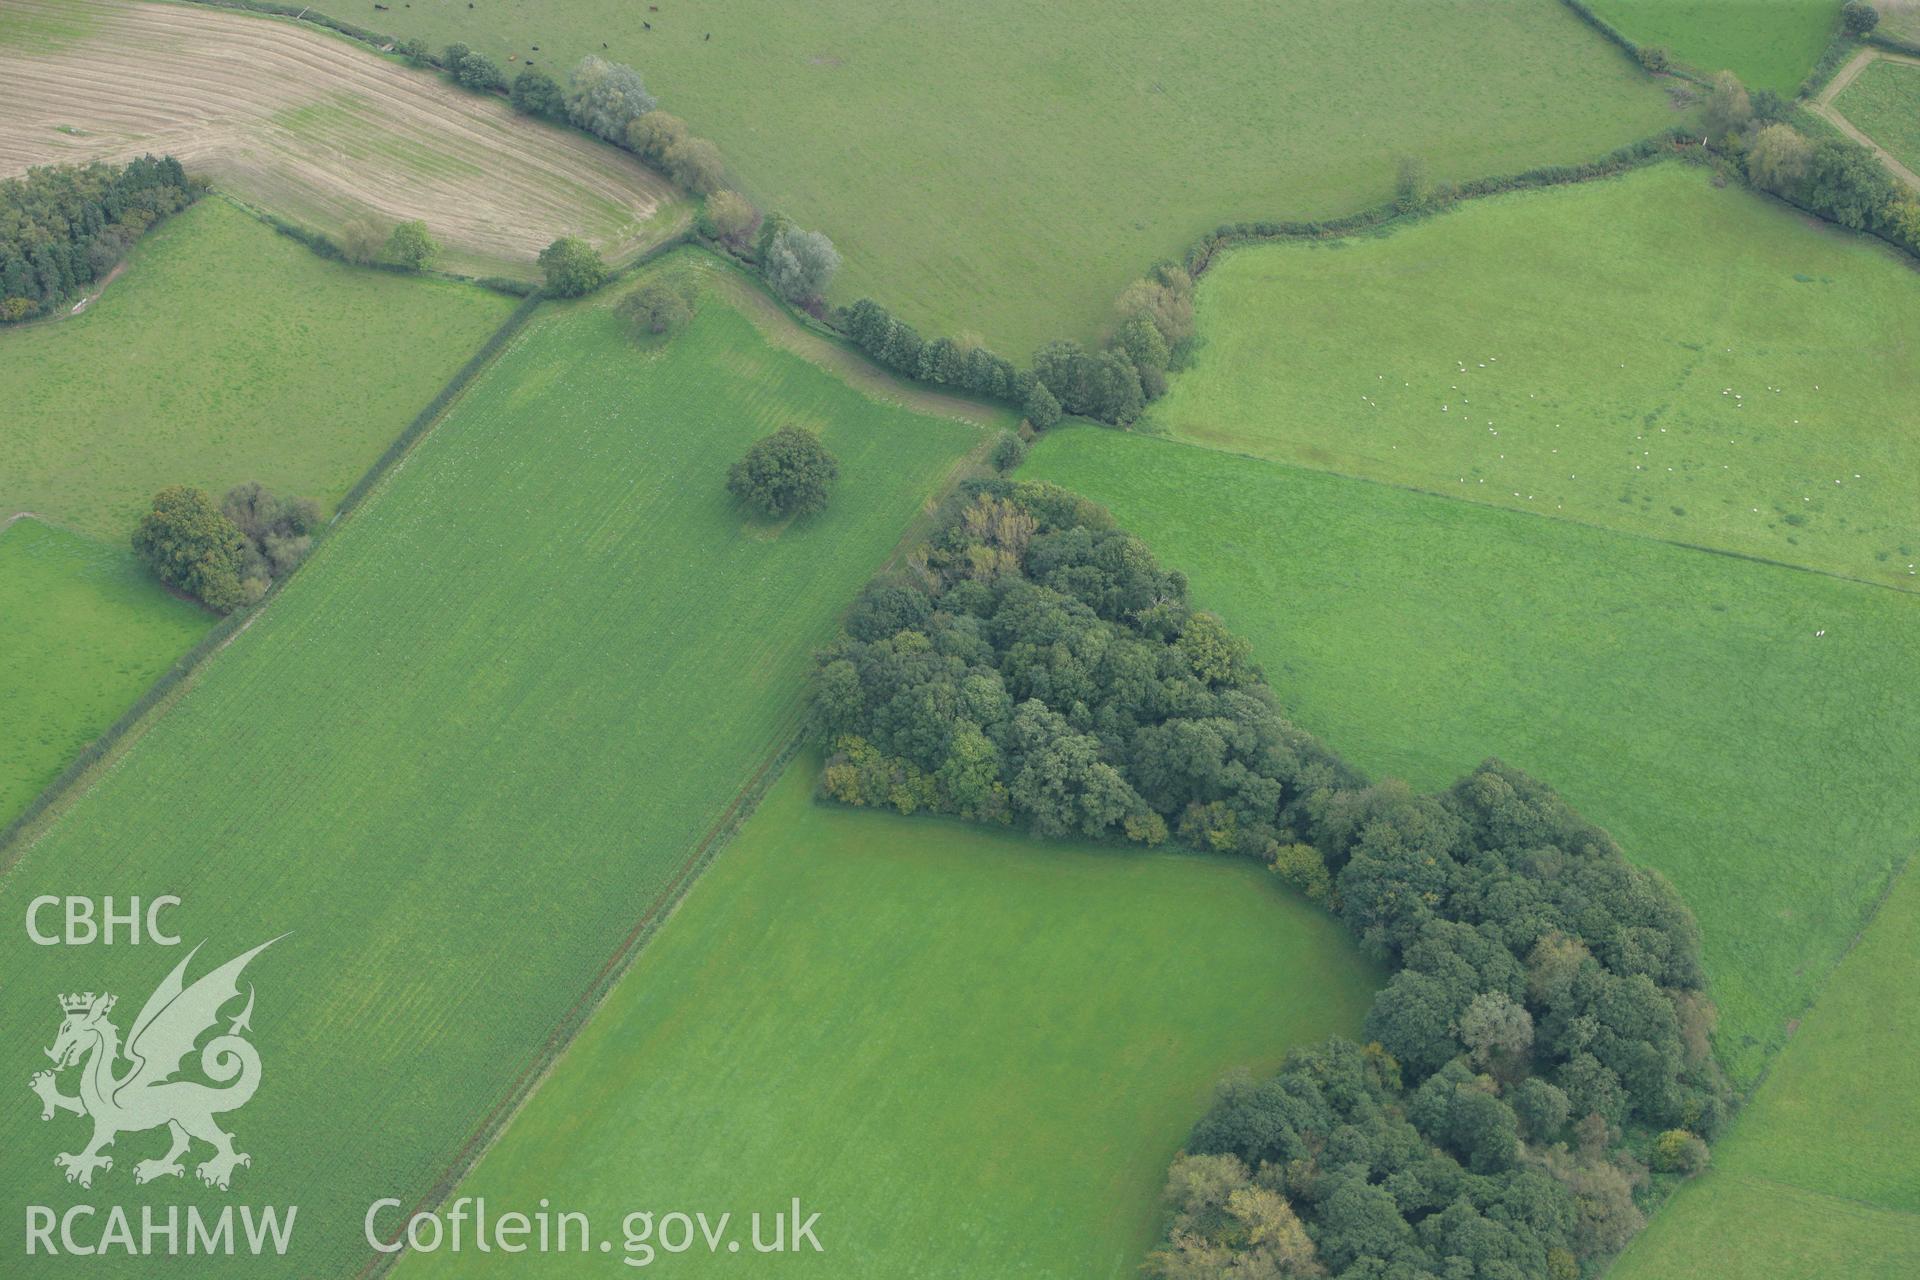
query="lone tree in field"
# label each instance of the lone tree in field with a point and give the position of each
(660, 306)
(193, 547)
(789, 473)
(573, 267)
(410, 246)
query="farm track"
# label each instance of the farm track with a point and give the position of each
(316, 129)
(1848, 74)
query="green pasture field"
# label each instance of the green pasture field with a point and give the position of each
(1769, 44)
(1646, 353)
(1724, 1225)
(1005, 168)
(464, 751)
(1883, 102)
(225, 352)
(42, 31)
(1817, 1176)
(974, 1052)
(83, 629)
(1682, 700)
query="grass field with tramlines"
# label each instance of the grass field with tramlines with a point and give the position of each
(465, 750)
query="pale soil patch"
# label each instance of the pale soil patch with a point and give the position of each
(320, 131)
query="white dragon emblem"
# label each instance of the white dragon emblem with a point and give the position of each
(147, 1096)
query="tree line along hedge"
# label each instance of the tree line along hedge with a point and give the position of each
(65, 226)
(1546, 1028)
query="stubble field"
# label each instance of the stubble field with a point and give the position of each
(316, 129)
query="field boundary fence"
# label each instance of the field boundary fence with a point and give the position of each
(1632, 49)
(1634, 155)
(1868, 916)
(1893, 44)
(305, 13)
(14, 836)
(1839, 51)
(789, 739)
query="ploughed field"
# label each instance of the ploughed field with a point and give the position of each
(463, 752)
(315, 128)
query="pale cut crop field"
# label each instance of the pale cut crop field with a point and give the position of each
(315, 129)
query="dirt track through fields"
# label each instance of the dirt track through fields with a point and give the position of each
(310, 127)
(1847, 75)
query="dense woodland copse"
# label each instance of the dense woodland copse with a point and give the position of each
(225, 556)
(1546, 1029)
(65, 226)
